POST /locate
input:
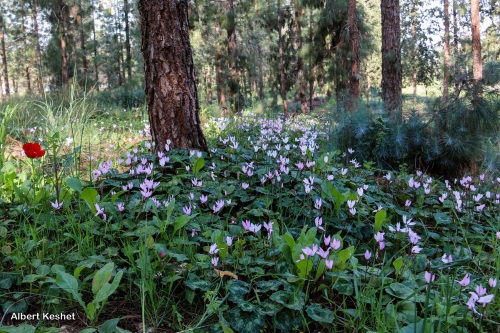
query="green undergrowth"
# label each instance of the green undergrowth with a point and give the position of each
(269, 231)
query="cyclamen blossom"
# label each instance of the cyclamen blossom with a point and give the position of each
(429, 277)
(56, 205)
(335, 244)
(310, 251)
(203, 198)
(327, 240)
(465, 281)
(329, 263)
(317, 203)
(446, 259)
(213, 249)
(229, 241)
(120, 206)
(318, 221)
(218, 206)
(492, 282)
(416, 249)
(368, 255)
(187, 209)
(245, 185)
(215, 261)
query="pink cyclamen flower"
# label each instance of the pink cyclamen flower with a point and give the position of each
(446, 259)
(318, 221)
(56, 205)
(215, 261)
(327, 240)
(480, 290)
(498, 235)
(335, 244)
(203, 198)
(121, 206)
(429, 277)
(246, 225)
(245, 185)
(485, 300)
(465, 281)
(187, 209)
(329, 263)
(322, 253)
(368, 255)
(379, 236)
(229, 241)
(416, 249)
(213, 249)
(310, 251)
(492, 282)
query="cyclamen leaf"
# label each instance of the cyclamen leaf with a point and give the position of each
(318, 313)
(102, 276)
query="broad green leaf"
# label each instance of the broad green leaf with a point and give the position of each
(90, 196)
(198, 165)
(180, 222)
(69, 284)
(379, 219)
(398, 264)
(345, 254)
(246, 322)
(399, 290)
(74, 184)
(289, 299)
(305, 266)
(102, 276)
(317, 313)
(109, 326)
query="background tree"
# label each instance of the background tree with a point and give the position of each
(391, 59)
(171, 92)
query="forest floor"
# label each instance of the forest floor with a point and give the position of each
(273, 229)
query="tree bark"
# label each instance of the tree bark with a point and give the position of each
(477, 63)
(300, 92)
(79, 22)
(28, 79)
(5, 71)
(391, 59)
(96, 66)
(232, 52)
(128, 58)
(456, 52)
(447, 57)
(38, 49)
(414, 51)
(281, 67)
(62, 36)
(171, 92)
(209, 84)
(354, 37)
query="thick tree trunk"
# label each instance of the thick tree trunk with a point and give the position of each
(447, 57)
(62, 34)
(128, 59)
(38, 49)
(391, 59)
(477, 63)
(354, 36)
(300, 92)
(170, 76)
(221, 87)
(281, 67)
(5, 72)
(232, 52)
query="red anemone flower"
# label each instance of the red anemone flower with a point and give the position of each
(33, 150)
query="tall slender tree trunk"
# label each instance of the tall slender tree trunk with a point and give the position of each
(209, 84)
(477, 63)
(171, 92)
(414, 51)
(261, 73)
(447, 56)
(79, 22)
(354, 36)
(300, 92)
(62, 33)
(94, 42)
(38, 48)
(232, 52)
(221, 87)
(28, 79)
(456, 52)
(5, 71)
(128, 58)
(391, 59)
(281, 67)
